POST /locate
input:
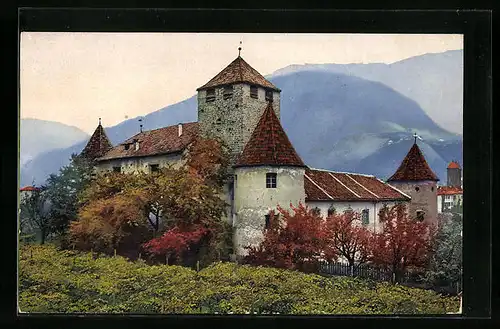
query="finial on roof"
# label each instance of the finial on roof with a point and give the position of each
(99, 121)
(415, 136)
(239, 50)
(140, 126)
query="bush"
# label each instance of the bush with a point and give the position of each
(72, 282)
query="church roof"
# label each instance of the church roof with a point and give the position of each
(453, 165)
(155, 142)
(239, 71)
(269, 144)
(414, 168)
(97, 145)
(449, 190)
(325, 185)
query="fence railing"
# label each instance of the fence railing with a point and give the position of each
(363, 271)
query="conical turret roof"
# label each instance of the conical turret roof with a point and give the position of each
(97, 145)
(269, 144)
(237, 72)
(414, 168)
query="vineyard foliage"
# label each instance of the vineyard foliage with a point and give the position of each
(56, 281)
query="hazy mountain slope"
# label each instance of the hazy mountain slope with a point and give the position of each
(434, 81)
(39, 136)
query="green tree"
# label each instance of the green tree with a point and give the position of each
(35, 213)
(445, 268)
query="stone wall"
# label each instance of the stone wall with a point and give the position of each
(252, 200)
(423, 197)
(234, 119)
(135, 165)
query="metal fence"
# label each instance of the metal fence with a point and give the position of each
(362, 271)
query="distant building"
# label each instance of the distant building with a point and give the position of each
(27, 191)
(449, 197)
(454, 174)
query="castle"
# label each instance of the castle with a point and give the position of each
(242, 108)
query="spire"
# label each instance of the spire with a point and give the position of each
(414, 167)
(97, 145)
(238, 71)
(269, 145)
(239, 50)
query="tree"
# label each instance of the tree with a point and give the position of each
(347, 238)
(35, 212)
(403, 243)
(64, 189)
(445, 267)
(295, 241)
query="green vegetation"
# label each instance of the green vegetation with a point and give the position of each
(52, 280)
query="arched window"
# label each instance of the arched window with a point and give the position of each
(331, 210)
(365, 216)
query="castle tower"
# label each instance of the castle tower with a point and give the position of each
(269, 172)
(454, 174)
(97, 145)
(232, 102)
(415, 178)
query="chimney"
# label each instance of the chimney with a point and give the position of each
(180, 129)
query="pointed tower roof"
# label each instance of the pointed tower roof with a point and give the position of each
(414, 167)
(269, 145)
(239, 71)
(453, 165)
(97, 145)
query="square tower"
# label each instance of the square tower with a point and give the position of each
(231, 104)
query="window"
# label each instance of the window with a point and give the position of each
(228, 92)
(331, 210)
(365, 216)
(210, 95)
(269, 95)
(271, 179)
(154, 167)
(268, 220)
(126, 146)
(219, 121)
(316, 211)
(420, 215)
(254, 92)
(417, 188)
(117, 169)
(432, 189)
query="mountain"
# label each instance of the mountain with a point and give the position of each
(40, 136)
(434, 81)
(335, 121)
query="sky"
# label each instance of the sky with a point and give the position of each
(75, 78)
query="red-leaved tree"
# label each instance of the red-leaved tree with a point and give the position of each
(403, 243)
(347, 238)
(294, 240)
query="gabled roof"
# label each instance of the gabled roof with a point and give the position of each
(453, 165)
(449, 190)
(414, 168)
(325, 185)
(269, 144)
(239, 71)
(97, 145)
(154, 142)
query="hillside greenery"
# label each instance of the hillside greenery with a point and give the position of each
(53, 281)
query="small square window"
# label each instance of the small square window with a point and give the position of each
(210, 95)
(365, 217)
(331, 210)
(269, 95)
(126, 146)
(271, 179)
(117, 169)
(420, 215)
(228, 92)
(316, 211)
(254, 92)
(154, 168)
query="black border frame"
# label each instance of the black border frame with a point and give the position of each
(476, 27)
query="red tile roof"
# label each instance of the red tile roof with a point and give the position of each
(449, 190)
(97, 145)
(28, 188)
(269, 144)
(453, 165)
(154, 142)
(238, 71)
(414, 168)
(323, 185)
